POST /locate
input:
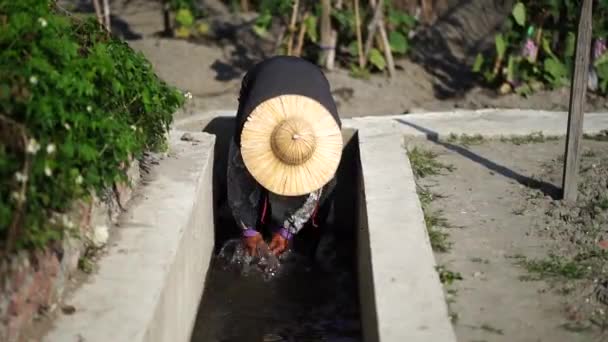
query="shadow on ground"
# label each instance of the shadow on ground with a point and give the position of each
(547, 188)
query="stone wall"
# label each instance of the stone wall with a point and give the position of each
(33, 282)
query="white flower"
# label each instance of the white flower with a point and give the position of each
(32, 146)
(67, 126)
(79, 180)
(50, 148)
(33, 80)
(20, 177)
(100, 236)
(18, 196)
(47, 171)
(133, 127)
(188, 95)
(67, 222)
(89, 108)
(42, 22)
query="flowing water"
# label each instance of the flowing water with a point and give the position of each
(292, 298)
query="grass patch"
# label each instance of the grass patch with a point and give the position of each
(425, 163)
(480, 260)
(601, 136)
(446, 276)
(487, 327)
(532, 138)
(554, 267)
(465, 139)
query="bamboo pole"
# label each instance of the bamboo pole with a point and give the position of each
(106, 10)
(331, 55)
(301, 33)
(388, 54)
(325, 31)
(359, 40)
(98, 13)
(371, 32)
(292, 26)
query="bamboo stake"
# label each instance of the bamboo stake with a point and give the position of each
(388, 54)
(98, 13)
(359, 40)
(106, 9)
(371, 32)
(301, 33)
(325, 31)
(331, 55)
(292, 26)
(245, 5)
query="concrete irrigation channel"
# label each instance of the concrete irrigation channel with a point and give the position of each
(157, 281)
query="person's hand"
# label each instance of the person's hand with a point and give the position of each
(251, 240)
(280, 242)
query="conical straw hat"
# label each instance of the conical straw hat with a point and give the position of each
(291, 145)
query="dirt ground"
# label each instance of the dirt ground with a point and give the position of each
(518, 265)
(436, 76)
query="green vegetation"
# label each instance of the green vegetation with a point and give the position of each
(76, 105)
(465, 139)
(425, 163)
(532, 138)
(536, 47)
(343, 20)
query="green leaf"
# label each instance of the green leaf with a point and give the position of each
(519, 13)
(501, 46)
(184, 17)
(556, 71)
(311, 28)
(376, 58)
(547, 49)
(478, 63)
(398, 42)
(570, 45)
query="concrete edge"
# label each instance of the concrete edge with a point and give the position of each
(408, 299)
(150, 280)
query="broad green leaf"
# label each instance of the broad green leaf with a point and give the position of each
(352, 48)
(376, 58)
(501, 46)
(311, 28)
(519, 13)
(184, 17)
(556, 71)
(398, 42)
(478, 63)
(547, 49)
(570, 44)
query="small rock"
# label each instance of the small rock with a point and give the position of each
(188, 137)
(603, 244)
(477, 274)
(68, 309)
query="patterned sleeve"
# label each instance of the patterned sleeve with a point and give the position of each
(299, 218)
(244, 193)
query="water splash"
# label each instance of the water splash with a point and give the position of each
(234, 255)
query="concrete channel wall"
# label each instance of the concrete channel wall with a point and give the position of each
(150, 281)
(400, 292)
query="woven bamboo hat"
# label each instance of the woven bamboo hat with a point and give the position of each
(291, 145)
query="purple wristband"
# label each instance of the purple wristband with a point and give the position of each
(286, 234)
(250, 232)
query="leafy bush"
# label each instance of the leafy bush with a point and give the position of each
(536, 48)
(75, 106)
